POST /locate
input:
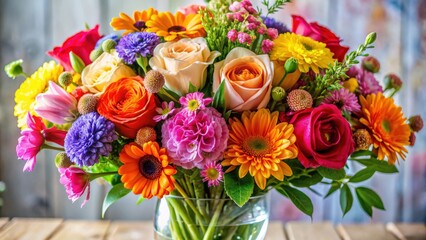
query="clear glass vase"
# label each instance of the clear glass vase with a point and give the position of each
(178, 218)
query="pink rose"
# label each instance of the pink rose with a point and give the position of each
(324, 137)
(321, 34)
(81, 44)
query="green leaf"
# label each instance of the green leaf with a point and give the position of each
(364, 205)
(168, 95)
(142, 62)
(238, 189)
(378, 165)
(333, 174)
(117, 191)
(298, 198)
(370, 197)
(361, 153)
(362, 175)
(306, 181)
(192, 88)
(334, 187)
(346, 199)
(219, 97)
(140, 200)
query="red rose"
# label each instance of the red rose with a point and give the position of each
(81, 44)
(321, 34)
(324, 137)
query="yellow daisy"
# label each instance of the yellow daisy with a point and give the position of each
(37, 83)
(387, 125)
(309, 53)
(258, 145)
(173, 27)
(135, 24)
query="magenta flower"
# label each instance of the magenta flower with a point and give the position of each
(194, 101)
(267, 45)
(244, 38)
(235, 6)
(368, 84)
(212, 174)
(344, 100)
(232, 35)
(272, 33)
(75, 181)
(33, 139)
(166, 110)
(193, 140)
(56, 105)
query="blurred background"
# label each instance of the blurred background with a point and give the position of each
(29, 28)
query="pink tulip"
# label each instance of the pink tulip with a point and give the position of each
(32, 140)
(56, 105)
(75, 181)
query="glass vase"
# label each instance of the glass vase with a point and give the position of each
(178, 218)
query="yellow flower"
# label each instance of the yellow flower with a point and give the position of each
(259, 145)
(387, 126)
(308, 52)
(351, 84)
(173, 27)
(37, 83)
(135, 24)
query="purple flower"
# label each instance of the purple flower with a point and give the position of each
(137, 44)
(193, 140)
(166, 110)
(344, 100)
(75, 181)
(272, 23)
(89, 137)
(194, 101)
(111, 36)
(368, 84)
(212, 174)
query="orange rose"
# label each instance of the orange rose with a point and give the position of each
(128, 105)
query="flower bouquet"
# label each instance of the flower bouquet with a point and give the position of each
(209, 109)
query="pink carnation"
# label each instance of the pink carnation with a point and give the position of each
(232, 35)
(75, 181)
(244, 38)
(267, 45)
(191, 9)
(197, 139)
(272, 33)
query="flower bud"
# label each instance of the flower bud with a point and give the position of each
(290, 66)
(412, 139)
(416, 123)
(362, 139)
(351, 84)
(87, 103)
(62, 160)
(14, 69)
(65, 79)
(393, 81)
(154, 81)
(278, 94)
(108, 45)
(371, 64)
(299, 99)
(145, 135)
(371, 37)
(76, 63)
(95, 54)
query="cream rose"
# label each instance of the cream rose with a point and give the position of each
(248, 79)
(106, 69)
(183, 62)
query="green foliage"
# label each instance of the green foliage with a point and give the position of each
(333, 188)
(168, 95)
(362, 175)
(369, 199)
(192, 88)
(219, 97)
(307, 180)
(298, 198)
(346, 199)
(117, 191)
(276, 5)
(238, 189)
(334, 174)
(378, 165)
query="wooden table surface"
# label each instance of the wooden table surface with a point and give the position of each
(59, 229)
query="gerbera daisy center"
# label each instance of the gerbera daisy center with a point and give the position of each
(193, 105)
(150, 167)
(140, 25)
(257, 146)
(176, 29)
(212, 173)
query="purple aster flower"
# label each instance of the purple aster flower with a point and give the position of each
(136, 44)
(89, 137)
(166, 110)
(111, 36)
(212, 174)
(194, 101)
(272, 23)
(193, 140)
(344, 100)
(368, 84)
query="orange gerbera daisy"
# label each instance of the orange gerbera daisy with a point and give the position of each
(135, 24)
(258, 145)
(387, 125)
(146, 170)
(173, 27)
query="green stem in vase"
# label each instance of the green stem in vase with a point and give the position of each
(213, 222)
(174, 229)
(180, 210)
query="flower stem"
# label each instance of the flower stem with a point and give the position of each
(213, 221)
(183, 214)
(93, 176)
(47, 146)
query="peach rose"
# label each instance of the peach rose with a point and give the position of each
(183, 62)
(106, 69)
(248, 79)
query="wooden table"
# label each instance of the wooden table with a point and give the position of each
(59, 229)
